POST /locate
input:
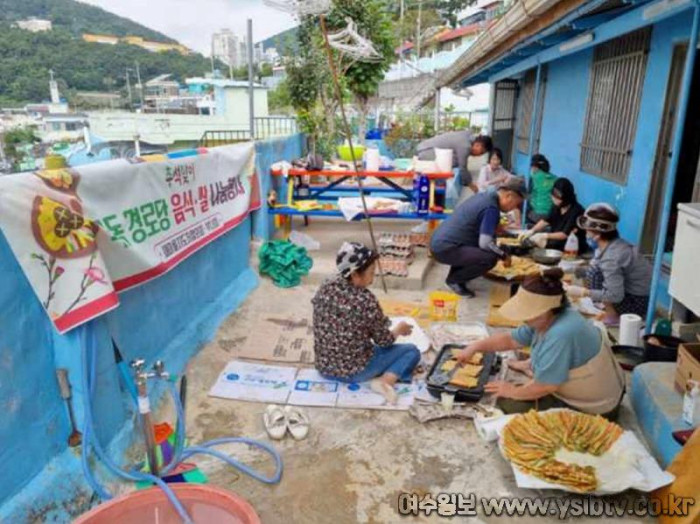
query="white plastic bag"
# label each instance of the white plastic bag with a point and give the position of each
(303, 240)
(453, 189)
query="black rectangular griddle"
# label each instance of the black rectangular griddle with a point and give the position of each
(437, 380)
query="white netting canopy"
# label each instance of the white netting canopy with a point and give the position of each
(351, 43)
(301, 7)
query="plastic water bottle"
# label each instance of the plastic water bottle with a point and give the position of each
(571, 246)
(421, 188)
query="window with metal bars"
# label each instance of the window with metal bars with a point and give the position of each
(615, 94)
(527, 102)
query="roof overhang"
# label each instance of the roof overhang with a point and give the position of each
(537, 31)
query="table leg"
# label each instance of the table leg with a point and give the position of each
(290, 191)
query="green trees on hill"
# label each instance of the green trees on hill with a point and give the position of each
(77, 18)
(26, 58)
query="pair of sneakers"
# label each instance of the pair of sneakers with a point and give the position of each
(278, 421)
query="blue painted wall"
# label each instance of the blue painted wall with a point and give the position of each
(268, 153)
(169, 318)
(564, 117)
(34, 423)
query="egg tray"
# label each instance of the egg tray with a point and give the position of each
(438, 380)
(404, 254)
(398, 240)
(420, 239)
(394, 267)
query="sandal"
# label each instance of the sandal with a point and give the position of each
(297, 422)
(275, 422)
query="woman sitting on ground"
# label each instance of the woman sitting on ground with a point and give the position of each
(352, 339)
(618, 275)
(493, 174)
(561, 222)
(571, 362)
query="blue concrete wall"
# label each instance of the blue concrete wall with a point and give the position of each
(34, 422)
(659, 408)
(564, 117)
(268, 153)
(169, 318)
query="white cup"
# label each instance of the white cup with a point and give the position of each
(448, 401)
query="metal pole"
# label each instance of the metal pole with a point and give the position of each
(138, 77)
(251, 88)
(437, 111)
(533, 130)
(673, 168)
(420, 13)
(128, 89)
(348, 133)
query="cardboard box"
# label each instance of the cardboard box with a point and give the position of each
(687, 365)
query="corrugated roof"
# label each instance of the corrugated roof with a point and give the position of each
(470, 29)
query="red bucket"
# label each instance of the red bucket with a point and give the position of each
(205, 504)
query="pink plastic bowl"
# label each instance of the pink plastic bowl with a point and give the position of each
(205, 504)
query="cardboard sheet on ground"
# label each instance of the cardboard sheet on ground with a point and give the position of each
(304, 387)
(361, 396)
(276, 340)
(255, 382)
(312, 389)
(627, 465)
(397, 308)
(417, 338)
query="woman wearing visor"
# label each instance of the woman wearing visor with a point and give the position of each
(571, 362)
(618, 275)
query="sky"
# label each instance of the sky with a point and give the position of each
(192, 22)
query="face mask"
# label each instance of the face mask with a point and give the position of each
(592, 243)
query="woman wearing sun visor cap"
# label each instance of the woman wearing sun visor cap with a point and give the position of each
(571, 362)
(618, 275)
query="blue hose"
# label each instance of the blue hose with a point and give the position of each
(184, 454)
(89, 371)
(181, 453)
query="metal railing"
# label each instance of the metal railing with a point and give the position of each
(274, 126)
(222, 138)
(265, 127)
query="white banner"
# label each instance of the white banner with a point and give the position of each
(83, 234)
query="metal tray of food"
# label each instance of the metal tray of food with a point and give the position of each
(438, 380)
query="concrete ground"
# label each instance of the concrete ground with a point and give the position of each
(354, 463)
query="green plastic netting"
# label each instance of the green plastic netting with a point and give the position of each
(284, 262)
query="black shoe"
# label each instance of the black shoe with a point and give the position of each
(460, 289)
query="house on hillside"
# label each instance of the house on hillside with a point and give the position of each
(595, 85)
(209, 104)
(159, 91)
(66, 127)
(34, 25)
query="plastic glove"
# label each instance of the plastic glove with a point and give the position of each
(524, 236)
(539, 239)
(576, 291)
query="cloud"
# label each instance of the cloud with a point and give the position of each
(192, 22)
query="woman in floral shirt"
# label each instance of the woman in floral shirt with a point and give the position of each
(352, 339)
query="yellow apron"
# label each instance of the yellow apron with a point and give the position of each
(597, 386)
